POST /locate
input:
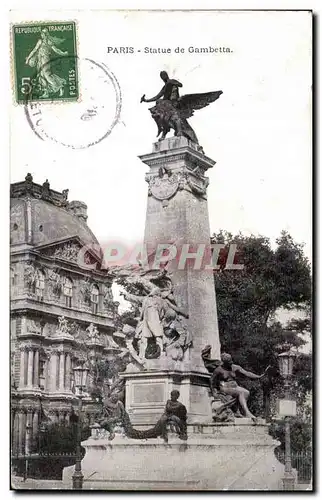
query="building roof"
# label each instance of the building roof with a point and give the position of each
(40, 215)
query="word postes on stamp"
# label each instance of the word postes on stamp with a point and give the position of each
(45, 62)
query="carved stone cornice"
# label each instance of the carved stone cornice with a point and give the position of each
(29, 409)
(30, 189)
(57, 350)
(52, 413)
(180, 156)
(21, 410)
(28, 347)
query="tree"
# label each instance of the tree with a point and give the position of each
(247, 300)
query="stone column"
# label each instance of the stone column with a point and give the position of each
(53, 371)
(28, 431)
(68, 372)
(47, 372)
(30, 369)
(62, 371)
(22, 432)
(35, 424)
(12, 420)
(15, 440)
(36, 368)
(22, 367)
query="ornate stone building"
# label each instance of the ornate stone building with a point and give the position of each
(61, 298)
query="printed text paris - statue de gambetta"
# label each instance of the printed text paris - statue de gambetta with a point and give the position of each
(168, 50)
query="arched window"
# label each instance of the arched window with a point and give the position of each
(94, 298)
(68, 292)
(40, 285)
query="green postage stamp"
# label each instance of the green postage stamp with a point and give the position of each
(45, 62)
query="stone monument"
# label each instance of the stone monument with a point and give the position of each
(177, 213)
(175, 320)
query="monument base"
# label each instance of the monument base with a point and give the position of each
(221, 457)
(147, 393)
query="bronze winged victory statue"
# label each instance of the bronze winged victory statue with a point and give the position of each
(172, 111)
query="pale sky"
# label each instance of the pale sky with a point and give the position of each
(258, 132)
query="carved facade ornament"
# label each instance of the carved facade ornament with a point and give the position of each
(63, 327)
(45, 355)
(197, 184)
(30, 275)
(108, 298)
(21, 410)
(45, 191)
(85, 289)
(74, 330)
(27, 346)
(34, 327)
(68, 251)
(32, 190)
(163, 186)
(56, 281)
(30, 409)
(93, 334)
(166, 184)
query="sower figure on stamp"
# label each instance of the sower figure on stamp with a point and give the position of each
(40, 58)
(223, 380)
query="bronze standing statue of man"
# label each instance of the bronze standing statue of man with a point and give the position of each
(171, 111)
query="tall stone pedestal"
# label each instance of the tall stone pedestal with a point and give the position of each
(215, 457)
(177, 213)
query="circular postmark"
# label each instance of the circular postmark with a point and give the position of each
(83, 123)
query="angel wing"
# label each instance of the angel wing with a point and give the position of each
(190, 102)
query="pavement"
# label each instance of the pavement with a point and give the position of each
(17, 483)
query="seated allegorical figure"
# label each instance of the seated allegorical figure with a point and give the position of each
(173, 419)
(223, 382)
(113, 414)
(175, 415)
